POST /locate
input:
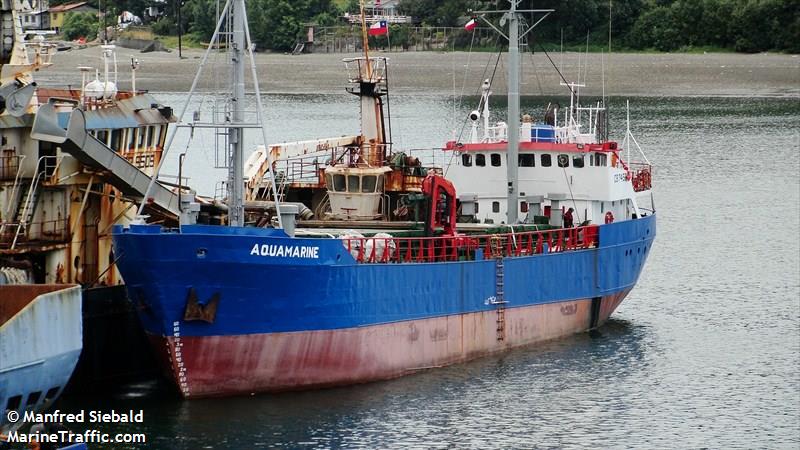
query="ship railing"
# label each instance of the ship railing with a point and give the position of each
(48, 231)
(641, 176)
(431, 157)
(29, 201)
(470, 247)
(497, 133)
(303, 169)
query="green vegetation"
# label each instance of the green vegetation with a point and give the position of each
(78, 25)
(639, 25)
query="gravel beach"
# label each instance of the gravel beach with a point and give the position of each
(626, 74)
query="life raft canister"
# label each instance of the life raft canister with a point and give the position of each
(609, 217)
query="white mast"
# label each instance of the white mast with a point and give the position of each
(512, 160)
(241, 46)
(235, 134)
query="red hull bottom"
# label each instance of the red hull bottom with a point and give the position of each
(243, 364)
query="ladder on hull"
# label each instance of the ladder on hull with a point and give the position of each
(499, 299)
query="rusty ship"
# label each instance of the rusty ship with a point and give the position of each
(342, 261)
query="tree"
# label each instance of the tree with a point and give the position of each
(202, 16)
(655, 29)
(78, 25)
(274, 24)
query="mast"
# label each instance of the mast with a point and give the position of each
(512, 17)
(512, 159)
(233, 18)
(236, 133)
(370, 73)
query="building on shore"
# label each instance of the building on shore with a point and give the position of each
(58, 13)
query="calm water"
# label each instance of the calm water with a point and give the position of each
(705, 352)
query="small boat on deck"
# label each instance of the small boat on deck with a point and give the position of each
(40, 342)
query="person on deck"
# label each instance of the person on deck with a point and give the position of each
(568, 221)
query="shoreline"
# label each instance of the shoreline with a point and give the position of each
(446, 73)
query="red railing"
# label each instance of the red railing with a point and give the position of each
(469, 247)
(641, 176)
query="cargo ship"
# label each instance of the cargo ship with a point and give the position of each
(342, 261)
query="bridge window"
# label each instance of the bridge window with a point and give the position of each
(563, 160)
(523, 206)
(162, 134)
(368, 183)
(480, 160)
(131, 137)
(115, 139)
(547, 160)
(466, 160)
(151, 136)
(496, 207)
(353, 183)
(102, 136)
(527, 160)
(577, 161)
(140, 138)
(495, 160)
(339, 183)
(600, 159)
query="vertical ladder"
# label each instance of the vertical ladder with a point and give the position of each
(500, 301)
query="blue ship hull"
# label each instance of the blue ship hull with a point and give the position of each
(40, 341)
(239, 310)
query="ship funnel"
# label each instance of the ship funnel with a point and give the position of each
(46, 127)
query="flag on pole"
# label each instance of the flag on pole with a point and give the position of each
(471, 25)
(378, 28)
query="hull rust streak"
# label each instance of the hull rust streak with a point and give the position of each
(315, 359)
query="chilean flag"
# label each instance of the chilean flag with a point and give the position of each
(471, 25)
(378, 28)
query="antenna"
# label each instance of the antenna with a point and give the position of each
(609, 61)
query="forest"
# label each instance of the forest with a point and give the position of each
(635, 25)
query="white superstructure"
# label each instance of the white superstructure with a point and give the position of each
(564, 162)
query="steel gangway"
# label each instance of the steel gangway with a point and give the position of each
(117, 170)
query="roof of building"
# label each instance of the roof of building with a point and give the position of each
(67, 6)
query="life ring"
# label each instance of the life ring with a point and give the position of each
(609, 217)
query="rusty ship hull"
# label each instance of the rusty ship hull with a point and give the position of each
(229, 315)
